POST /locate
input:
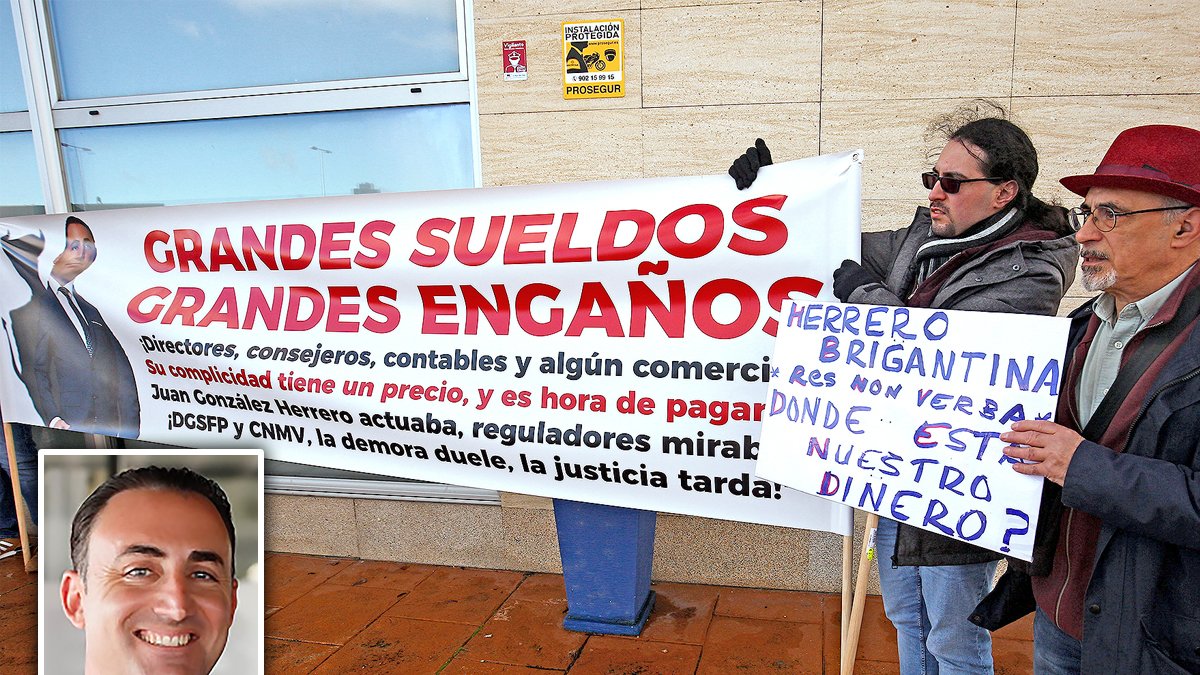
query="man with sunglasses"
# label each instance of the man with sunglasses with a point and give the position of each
(75, 370)
(984, 243)
(1119, 528)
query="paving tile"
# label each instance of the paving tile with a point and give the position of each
(1012, 657)
(864, 667)
(18, 610)
(12, 569)
(738, 644)
(13, 574)
(681, 613)
(18, 653)
(463, 665)
(877, 639)
(288, 656)
(384, 617)
(382, 574)
(527, 630)
(753, 603)
(398, 645)
(606, 655)
(288, 576)
(330, 613)
(457, 594)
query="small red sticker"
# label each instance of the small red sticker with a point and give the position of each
(515, 67)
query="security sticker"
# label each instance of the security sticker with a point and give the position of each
(515, 66)
(593, 59)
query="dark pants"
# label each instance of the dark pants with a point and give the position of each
(26, 453)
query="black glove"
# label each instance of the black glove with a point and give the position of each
(851, 276)
(745, 168)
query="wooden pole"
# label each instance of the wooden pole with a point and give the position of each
(847, 583)
(850, 647)
(19, 500)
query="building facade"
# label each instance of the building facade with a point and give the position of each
(124, 103)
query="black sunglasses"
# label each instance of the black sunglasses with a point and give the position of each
(949, 185)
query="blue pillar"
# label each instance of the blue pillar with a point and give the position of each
(606, 556)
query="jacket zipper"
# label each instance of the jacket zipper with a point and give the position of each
(1067, 579)
(1125, 441)
(1073, 408)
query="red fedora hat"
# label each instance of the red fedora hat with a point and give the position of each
(1158, 158)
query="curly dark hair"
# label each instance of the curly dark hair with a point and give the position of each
(1003, 149)
(150, 478)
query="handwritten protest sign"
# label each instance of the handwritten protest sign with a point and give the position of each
(607, 342)
(898, 411)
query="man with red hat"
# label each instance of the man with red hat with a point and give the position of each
(1116, 571)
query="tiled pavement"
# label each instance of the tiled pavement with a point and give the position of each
(18, 615)
(337, 615)
(340, 615)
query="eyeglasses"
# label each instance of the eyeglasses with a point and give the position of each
(949, 185)
(1105, 217)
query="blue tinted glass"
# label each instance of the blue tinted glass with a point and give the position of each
(126, 47)
(276, 157)
(12, 88)
(20, 189)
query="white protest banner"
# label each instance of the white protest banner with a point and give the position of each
(606, 342)
(898, 411)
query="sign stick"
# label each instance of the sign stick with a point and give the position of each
(847, 571)
(19, 499)
(850, 647)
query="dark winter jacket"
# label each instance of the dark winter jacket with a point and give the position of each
(1141, 609)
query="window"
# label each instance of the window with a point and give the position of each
(20, 192)
(172, 102)
(269, 157)
(132, 47)
(12, 86)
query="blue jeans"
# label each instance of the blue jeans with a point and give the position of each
(1054, 652)
(27, 467)
(929, 607)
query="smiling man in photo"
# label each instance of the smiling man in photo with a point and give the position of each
(152, 587)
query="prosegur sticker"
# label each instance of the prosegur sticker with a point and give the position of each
(592, 59)
(515, 66)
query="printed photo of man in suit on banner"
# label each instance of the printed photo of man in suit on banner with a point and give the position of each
(78, 376)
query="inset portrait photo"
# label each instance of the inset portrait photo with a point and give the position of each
(151, 563)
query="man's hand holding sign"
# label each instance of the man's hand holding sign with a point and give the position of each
(1046, 448)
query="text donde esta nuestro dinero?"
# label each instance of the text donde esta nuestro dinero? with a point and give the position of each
(534, 308)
